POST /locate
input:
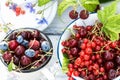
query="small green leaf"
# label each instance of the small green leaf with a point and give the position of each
(43, 2)
(90, 5)
(64, 5)
(11, 66)
(108, 11)
(65, 63)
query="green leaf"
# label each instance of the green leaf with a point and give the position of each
(43, 2)
(90, 5)
(112, 27)
(65, 63)
(113, 23)
(108, 11)
(64, 5)
(11, 66)
(111, 34)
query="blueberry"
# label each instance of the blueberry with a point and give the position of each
(4, 46)
(19, 39)
(30, 53)
(45, 46)
(25, 43)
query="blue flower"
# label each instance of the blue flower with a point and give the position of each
(30, 6)
(13, 6)
(32, 10)
(43, 21)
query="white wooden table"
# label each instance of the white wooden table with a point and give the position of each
(55, 31)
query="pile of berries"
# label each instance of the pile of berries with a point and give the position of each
(92, 55)
(27, 49)
(17, 9)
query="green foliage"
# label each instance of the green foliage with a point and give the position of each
(90, 5)
(111, 21)
(65, 63)
(43, 2)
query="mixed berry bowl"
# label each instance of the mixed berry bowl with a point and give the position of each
(86, 54)
(26, 50)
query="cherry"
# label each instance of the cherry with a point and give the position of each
(111, 74)
(37, 64)
(34, 44)
(84, 14)
(13, 44)
(73, 42)
(36, 34)
(108, 55)
(118, 60)
(88, 28)
(109, 65)
(16, 60)
(7, 56)
(25, 60)
(73, 14)
(37, 53)
(13, 36)
(26, 35)
(74, 51)
(83, 32)
(77, 35)
(19, 51)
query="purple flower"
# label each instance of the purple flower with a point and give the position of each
(30, 6)
(32, 10)
(13, 6)
(42, 21)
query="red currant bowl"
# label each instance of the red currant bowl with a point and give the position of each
(78, 57)
(28, 49)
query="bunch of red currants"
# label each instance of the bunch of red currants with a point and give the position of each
(92, 55)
